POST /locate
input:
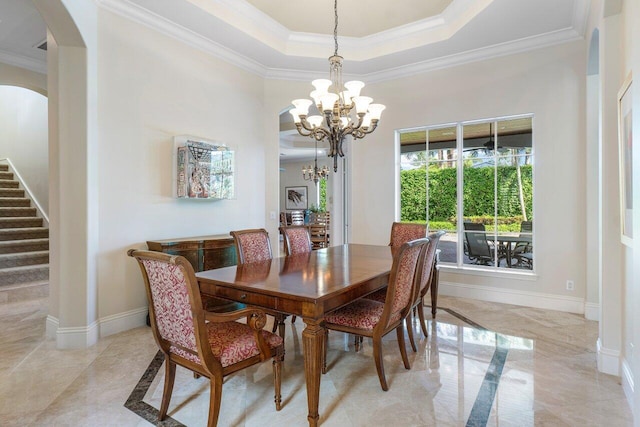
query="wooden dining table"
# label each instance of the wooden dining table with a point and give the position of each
(308, 286)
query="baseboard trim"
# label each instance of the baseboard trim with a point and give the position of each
(77, 337)
(608, 360)
(51, 327)
(627, 382)
(592, 311)
(120, 322)
(515, 297)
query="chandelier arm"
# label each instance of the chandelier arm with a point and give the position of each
(305, 124)
(301, 130)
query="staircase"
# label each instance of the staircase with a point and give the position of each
(24, 244)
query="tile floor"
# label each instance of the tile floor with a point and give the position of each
(483, 364)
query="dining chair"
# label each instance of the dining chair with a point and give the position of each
(374, 319)
(523, 251)
(296, 241)
(403, 232)
(212, 345)
(253, 245)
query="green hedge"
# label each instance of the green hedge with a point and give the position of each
(478, 194)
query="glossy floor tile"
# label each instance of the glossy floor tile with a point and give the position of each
(482, 364)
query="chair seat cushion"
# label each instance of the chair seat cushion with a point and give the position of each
(379, 295)
(362, 314)
(232, 342)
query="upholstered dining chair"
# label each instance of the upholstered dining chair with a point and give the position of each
(428, 278)
(253, 245)
(403, 232)
(365, 317)
(212, 345)
(296, 241)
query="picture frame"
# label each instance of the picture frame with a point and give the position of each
(625, 146)
(296, 198)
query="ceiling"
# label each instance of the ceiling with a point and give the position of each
(292, 39)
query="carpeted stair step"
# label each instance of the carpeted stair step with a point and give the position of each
(20, 222)
(24, 258)
(7, 183)
(14, 202)
(11, 192)
(4, 168)
(24, 274)
(25, 245)
(17, 212)
(24, 233)
(6, 175)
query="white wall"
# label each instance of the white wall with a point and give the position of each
(153, 87)
(24, 138)
(550, 83)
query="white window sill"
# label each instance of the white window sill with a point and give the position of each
(488, 272)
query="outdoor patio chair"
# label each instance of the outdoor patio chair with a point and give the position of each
(476, 245)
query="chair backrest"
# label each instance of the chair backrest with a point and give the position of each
(297, 218)
(403, 232)
(252, 245)
(477, 240)
(402, 281)
(175, 305)
(526, 228)
(426, 270)
(296, 240)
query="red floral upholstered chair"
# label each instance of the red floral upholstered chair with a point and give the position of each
(429, 280)
(296, 240)
(365, 317)
(210, 344)
(253, 245)
(403, 232)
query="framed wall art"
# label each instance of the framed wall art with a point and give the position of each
(625, 139)
(203, 169)
(296, 198)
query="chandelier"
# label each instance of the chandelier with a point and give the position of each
(336, 102)
(315, 173)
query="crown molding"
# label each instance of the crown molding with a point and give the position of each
(164, 26)
(21, 61)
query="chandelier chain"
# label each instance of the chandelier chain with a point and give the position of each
(335, 27)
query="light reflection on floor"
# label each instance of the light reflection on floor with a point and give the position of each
(537, 369)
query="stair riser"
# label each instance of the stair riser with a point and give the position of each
(20, 223)
(22, 234)
(11, 192)
(6, 175)
(4, 168)
(22, 261)
(29, 247)
(32, 275)
(24, 291)
(15, 203)
(17, 212)
(9, 184)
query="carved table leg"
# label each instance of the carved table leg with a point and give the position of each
(312, 341)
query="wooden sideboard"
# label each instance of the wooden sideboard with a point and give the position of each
(204, 253)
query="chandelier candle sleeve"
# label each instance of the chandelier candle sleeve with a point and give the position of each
(342, 110)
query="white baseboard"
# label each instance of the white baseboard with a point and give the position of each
(515, 297)
(608, 360)
(77, 337)
(86, 336)
(51, 327)
(627, 382)
(123, 321)
(592, 311)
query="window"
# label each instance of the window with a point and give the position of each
(475, 181)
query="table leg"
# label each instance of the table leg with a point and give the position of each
(434, 291)
(313, 341)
